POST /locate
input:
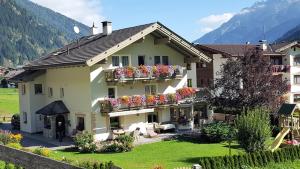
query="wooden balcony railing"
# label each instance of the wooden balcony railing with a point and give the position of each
(280, 68)
(143, 101)
(144, 73)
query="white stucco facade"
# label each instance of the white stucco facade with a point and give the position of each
(83, 87)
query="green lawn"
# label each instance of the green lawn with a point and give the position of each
(169, 154)
(9, 101)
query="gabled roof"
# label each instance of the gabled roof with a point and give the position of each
(90, 50)
(54, 108)
(280, 47)
(287, 109)
(227, 49)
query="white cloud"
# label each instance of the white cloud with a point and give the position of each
(84, 11)
(212, 22)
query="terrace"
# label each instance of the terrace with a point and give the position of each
(157, 72)
(280, 69)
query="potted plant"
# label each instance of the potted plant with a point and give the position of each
(150, 100)
(125, 101)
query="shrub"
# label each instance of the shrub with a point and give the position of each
(42, 151)
(85, 142)
(216, 132)
(123, 143)
(253, 129)
(15, 138)
(4, 137)
(95, 165)
(14, 145)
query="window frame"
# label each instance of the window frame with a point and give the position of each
(50, 92)
(189, 82)
(23, 89)
(112, 87)
(118, 123)
(77, 123)
(296, 63)
(297, 79)
(162, 60)
(122, 64)
(35, 89)
(118, 61)
(144, 58)
(294, 99)
(154, 60)
(25, 117)
(62, 92)
(150, 89)
(151, 115)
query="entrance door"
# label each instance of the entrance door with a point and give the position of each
(60, 119)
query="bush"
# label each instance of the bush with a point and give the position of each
(95, 165)
(4, 137)
(42, 151)
(123, 143)
(216, 132)
(256, 159)
(14, 145)
(85, 142)
(253, 129)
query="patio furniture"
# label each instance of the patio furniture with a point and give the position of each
(151, 133)
(118, 132)
(164, 126)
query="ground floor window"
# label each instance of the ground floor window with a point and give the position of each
(152, 118)
(114, 123)
(80, 124)
(25, 117)
(47, 122)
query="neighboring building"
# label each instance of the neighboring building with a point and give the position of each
(99, 83)
(285, 58)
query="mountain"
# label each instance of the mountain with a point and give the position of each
(28, 31)
(291, 35)
(269, 20)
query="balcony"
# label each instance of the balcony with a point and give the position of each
(276, 69)
(158, 72)
(125, 103)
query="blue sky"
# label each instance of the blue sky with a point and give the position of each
(190, 18)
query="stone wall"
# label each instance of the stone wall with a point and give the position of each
(31, 161)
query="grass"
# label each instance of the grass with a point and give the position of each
(169, 154)
(9, 101)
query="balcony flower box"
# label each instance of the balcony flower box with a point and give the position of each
(150, 100)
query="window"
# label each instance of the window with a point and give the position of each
(189, 83)
(152, 118)
(23, 89)
(47, 122)
(165, 60)
(114, 123)
(38, 88)
(297, 79)
(125, 61)
(50, 92)
(296, 98)
(62, 92)
(150, 89)
(297, 61)
(25, 117)
(115, 61)
(80, 124)
(156, 60)
(188, 66)
(141, 60)
(111, 93)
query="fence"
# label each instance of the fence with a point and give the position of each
(29, 160)
(5, 118)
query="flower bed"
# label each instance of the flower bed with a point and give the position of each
(158, 71)
(149, 100)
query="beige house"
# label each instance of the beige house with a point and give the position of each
(285, 58)
(122, 79)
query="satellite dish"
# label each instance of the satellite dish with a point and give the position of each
(76, 29)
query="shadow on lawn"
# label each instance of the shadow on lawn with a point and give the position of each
(75, 151)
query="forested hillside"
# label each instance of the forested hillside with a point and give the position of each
(24, 36)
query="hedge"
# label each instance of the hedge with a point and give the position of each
(256, 159)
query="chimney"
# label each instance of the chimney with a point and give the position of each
(93, 29)
(107, 28)
(263, 45)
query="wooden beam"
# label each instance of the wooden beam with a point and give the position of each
(162, 41)
(142, 40)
